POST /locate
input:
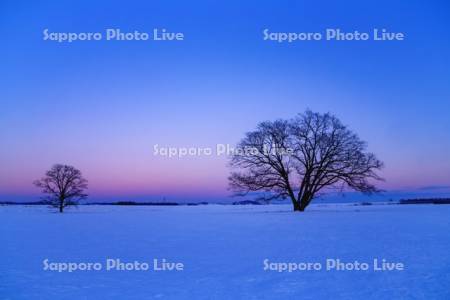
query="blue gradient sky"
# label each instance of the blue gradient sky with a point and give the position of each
(101, 106)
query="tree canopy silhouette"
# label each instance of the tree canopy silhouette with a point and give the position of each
(302, 157)
(63, 185)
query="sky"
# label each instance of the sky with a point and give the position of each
(101, 106)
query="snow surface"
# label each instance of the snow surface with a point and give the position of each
(223, 248)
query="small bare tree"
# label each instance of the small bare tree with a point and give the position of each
(299, 158)
(63, 185)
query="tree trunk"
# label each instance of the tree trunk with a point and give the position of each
(295, 204)
(304, 202)
(61, 205)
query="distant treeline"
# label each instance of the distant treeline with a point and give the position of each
(124, 203)
(426, 201)
(133, 203)
(23, 203)
(244, 202)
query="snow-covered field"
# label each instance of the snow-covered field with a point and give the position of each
(223, 249)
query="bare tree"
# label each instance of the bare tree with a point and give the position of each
(300, 158)
(63, 185)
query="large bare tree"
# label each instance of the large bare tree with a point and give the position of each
(63, 185)
(301, 158)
